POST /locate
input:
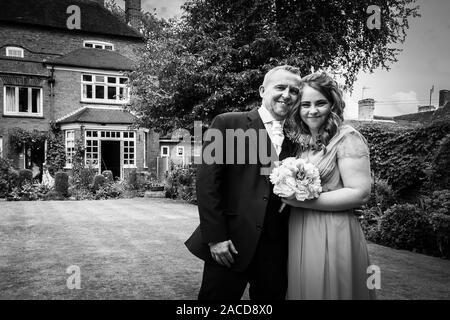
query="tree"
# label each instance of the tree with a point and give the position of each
(213, 59)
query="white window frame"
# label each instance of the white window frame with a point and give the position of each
(9, 49)
(145, 149)
(163, 154)
(93, 138)
(1, 147)
(98, 44)
(105, 84)
(178, 151)
(127, 138)
(69, 153)
(16, 107)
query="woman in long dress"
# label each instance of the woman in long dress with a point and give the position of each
(328, 257)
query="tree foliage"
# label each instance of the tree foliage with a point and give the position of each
(213, 59)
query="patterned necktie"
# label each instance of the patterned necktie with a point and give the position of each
(277, 135)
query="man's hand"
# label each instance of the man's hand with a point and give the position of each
(222, 252)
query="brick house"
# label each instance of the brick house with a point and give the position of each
(51, 71)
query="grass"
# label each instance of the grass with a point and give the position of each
(133, 249)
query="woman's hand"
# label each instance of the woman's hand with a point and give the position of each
(295, 203)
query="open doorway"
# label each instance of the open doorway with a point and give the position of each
(34, 158)
(110, 151)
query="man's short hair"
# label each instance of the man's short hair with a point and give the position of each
(285, 67)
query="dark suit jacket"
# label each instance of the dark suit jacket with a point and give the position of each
(236, 201)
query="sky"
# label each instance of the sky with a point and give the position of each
(424, 62)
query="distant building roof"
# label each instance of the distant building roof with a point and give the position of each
(94, 58)
(53, 13)
(375, 117)
(421, 117)
(425, 117)
(99, 115)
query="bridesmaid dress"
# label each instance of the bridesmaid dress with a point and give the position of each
(328, 255)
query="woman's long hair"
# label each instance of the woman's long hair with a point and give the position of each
(299, 132)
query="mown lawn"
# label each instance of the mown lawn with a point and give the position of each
(133, 249)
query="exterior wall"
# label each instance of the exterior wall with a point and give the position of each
(51, 43)
(153, 150)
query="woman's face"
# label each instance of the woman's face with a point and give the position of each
(314, 109)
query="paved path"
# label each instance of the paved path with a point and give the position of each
(133, 249)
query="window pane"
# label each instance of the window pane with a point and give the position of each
(88, 45)
(123, 80)
(131, 135)
(94, 133)
(10, 99)
(87, 91)
(23, 99)
(99, 92)
(35, 100)
(98, 46)
(99, 79)
(87, 77)
(108, 47)
(111, 93)
(112, 79)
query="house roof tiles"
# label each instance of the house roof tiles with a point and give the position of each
(94, 58)
(53, 13)
(100, 116)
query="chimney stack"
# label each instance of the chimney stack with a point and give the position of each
(366, 108)
(444, 97)
(133, 13)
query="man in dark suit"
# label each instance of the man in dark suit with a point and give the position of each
(242, 237)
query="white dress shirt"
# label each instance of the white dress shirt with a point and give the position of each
(268, 120)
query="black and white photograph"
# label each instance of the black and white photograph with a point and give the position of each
(242, 152)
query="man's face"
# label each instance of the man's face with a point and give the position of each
(280, 93)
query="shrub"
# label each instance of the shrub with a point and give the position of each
(84, 178)
(5, 169)
(54, 195)
(370, 223)
(181, 184)
(382, 195)
(133, 180)
(440, 178)
(438, 208)
(401, 156)
(56, 154)
(13, 178)
(109, 191)
(405, 226)
(82, 194)
(25, 176)
(27, 192)
(108, 175)
(62, 183)
(99, 181)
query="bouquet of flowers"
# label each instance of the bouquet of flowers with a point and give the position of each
(295, 177)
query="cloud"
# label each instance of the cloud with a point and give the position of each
(398, 103)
